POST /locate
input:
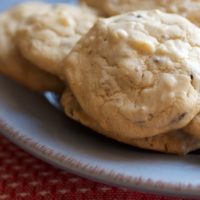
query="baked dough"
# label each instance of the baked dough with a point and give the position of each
(46, 39)
(12, 64)
(187, 8)
(136, 75)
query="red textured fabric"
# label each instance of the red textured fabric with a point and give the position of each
(24, 177)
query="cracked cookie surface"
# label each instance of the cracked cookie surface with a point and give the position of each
(137, 74)
(47, 38)
(12, 63)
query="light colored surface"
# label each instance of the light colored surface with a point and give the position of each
(78, 149)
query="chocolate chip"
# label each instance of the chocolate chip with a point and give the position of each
(192, 77)
(139, 16)
(150, 116)
(178, 118)
(90, 52)
(141, 123)
(156, 60)
(164, 37)
(151, 145)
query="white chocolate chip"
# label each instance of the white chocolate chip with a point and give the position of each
(142, 42)
(169, 80)
(66, 20)
(122, 33)
(147, 91)
(175, 48)
(144, 108)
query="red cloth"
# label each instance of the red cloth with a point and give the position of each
(23, 176)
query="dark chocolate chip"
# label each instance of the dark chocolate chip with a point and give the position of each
(156, 60)
(164, 37)
(90, 52)
(139, 16)
(178, 118)
(192, 77)
(150, 117)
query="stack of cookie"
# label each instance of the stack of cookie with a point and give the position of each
(35, 37)
(133, 77)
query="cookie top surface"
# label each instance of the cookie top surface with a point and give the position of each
(47, 38)
(12, 64)
(187, 8)
(137, 74)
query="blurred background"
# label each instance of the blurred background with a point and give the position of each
(5, 4)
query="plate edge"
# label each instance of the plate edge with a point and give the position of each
(86, 170)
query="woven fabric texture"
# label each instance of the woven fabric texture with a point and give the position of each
(23, 176)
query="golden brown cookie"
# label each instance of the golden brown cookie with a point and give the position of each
(187, 8)
(115, 7)
(137, 74)
(46, 39)
(176, 142)
(12, 64)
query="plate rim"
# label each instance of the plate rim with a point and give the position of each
(95, 173)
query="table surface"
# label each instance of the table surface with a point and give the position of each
(23, 176)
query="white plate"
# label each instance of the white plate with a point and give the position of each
(32, 123)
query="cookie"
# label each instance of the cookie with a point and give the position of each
(187, 8)
(47, 38)
(137, 74)
(175, 142)
(12, 63)
(115, 7)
